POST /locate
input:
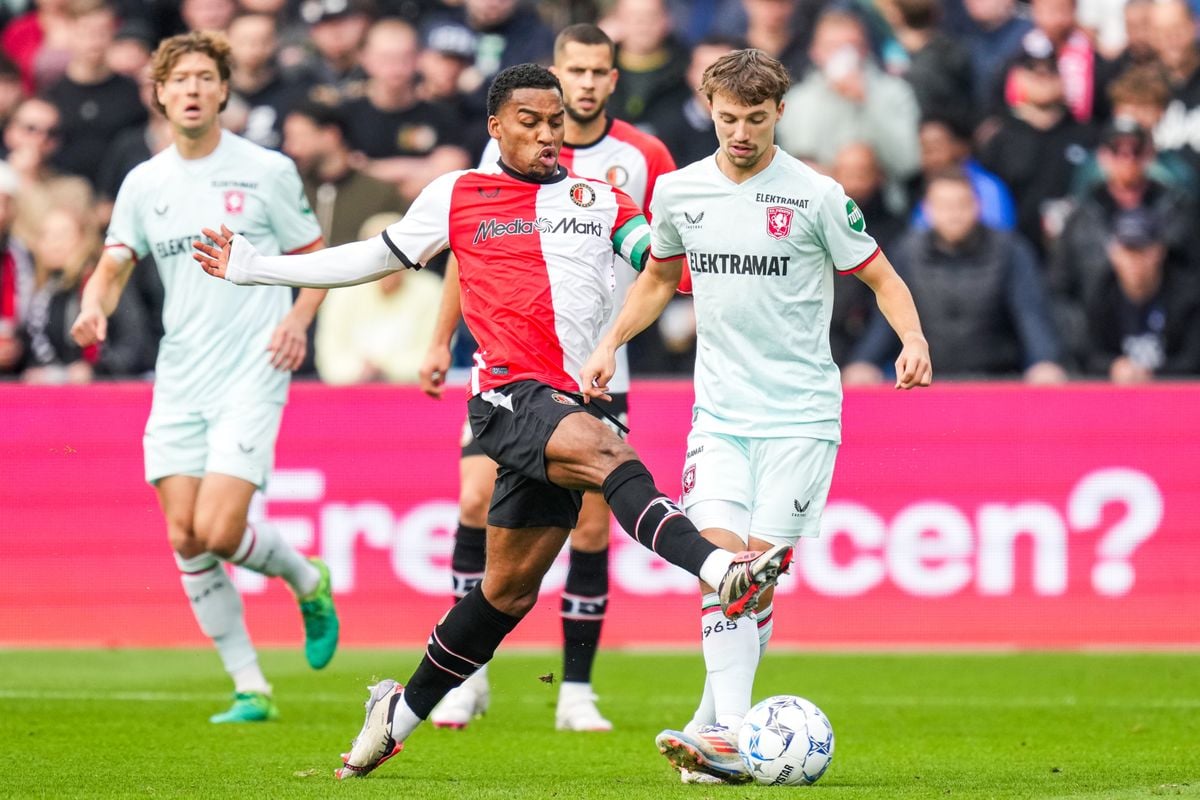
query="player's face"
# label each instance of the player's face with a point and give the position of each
(745, 133)
(193, 93)
(588, 78)
(529, 130)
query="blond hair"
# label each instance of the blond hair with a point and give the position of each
(209, 43)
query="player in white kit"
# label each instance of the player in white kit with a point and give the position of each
(765, 237)
(596, 146)
(225, 358)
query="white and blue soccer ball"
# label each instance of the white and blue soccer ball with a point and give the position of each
(786, 741)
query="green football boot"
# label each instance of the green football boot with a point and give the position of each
(320, 620)
(248, 707)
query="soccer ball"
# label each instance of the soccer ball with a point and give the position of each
(786, 741)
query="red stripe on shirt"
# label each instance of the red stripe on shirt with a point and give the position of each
(861, 264)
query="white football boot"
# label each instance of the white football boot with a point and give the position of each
(708, 749)
(374, 743)
(464, 703)
(577, 710)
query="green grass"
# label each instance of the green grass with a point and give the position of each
(132, 723)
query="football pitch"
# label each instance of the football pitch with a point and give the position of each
(133, 723)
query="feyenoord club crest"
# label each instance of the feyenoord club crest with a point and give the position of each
(616, 175)
(689, 479)
(779, 221)
(235, 201)
(583, 195)
(563, 399)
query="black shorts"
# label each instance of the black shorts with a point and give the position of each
(512, 427)
(618, 409)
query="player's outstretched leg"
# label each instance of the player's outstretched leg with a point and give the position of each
(264, 550)
(217, 607)
(658, 524)
(469, 701)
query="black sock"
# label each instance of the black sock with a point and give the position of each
(654, 521)
(584, 601)
(468, 560)
(462, 642)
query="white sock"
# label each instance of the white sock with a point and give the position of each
(731, 656)
(766, 626)
(478, 680)
(217, 607)
(715, 566)
(706, 713)
(404, 721)
(570, 691)
(263, 550)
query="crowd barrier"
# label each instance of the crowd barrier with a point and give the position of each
(966, 515)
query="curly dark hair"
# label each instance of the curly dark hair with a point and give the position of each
(521, 76)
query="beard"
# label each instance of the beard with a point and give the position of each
(583, 119)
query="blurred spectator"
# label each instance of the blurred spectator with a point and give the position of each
(37, 42)
(782, 29)
(981, 298)
(683, 120)
(259, 96)
(1102, 21)
(31, 138)
(508, 34)
(1036, 145)
(11, 91)
(1143, 317)
(945, 144)
(337, 29)
(130, 51)
(16, 275)
(378, 331)
(939, 67)
(207, 15)
(1124, 156)
(857, 170)
(652, 64)
(64, 251)
(342, 198)
(696, 20)
(848, 99)
(993, 35)
(406, 141)
(1141, 93)
(448, 52)
(1139, 36)
(1083, 72)
(95, 103)
(134, 145)
(1174, 39)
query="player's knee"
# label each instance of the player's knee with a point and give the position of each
(591, 533)
(473, 503)
(220, 532)
(611, 453)
(182, 540)
(511, 594)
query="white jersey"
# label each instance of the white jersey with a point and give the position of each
(216, 334)
(762, 254)
(630, 160)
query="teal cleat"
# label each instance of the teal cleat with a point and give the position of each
(320, 620)
(248, 707)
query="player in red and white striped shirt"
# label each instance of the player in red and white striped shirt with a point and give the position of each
(595, 146)
(536, 250)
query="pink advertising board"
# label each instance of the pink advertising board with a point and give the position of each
(966, 515)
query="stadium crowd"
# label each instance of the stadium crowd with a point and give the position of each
(1033, 171)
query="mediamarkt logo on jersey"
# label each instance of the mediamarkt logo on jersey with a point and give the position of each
(490, 228)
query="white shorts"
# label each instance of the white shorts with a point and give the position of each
(237, 441)
(781, 485)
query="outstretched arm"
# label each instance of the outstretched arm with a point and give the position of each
(913, 367)
(647, 298)
(232, 257)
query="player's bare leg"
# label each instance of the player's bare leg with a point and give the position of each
(215, 602)
(584, 602)
(584, 454)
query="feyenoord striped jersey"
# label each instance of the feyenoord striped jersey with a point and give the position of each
(535, 265)
(630, 160)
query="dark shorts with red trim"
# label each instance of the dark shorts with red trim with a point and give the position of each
(512, 426)
(618, 409)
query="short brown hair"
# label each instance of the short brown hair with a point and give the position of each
(81, 8)
(209, 43)
(1141, 84)
(750, 76)
(584, 33)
